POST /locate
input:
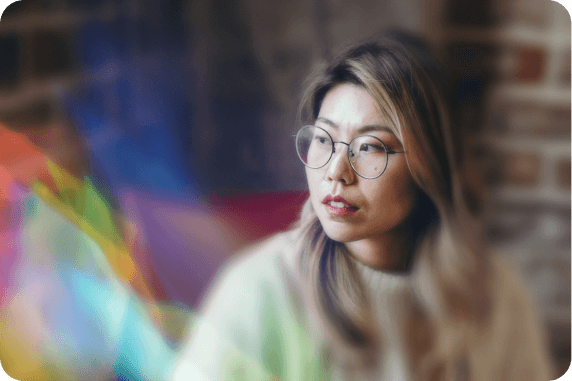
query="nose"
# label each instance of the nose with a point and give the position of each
(339, 168)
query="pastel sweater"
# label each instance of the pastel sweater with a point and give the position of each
(253, 326)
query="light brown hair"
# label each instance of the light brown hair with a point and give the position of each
(447, 258)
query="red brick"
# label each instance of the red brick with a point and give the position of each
(563, 174)
(530, 64)
(560, 122)
(522, 169)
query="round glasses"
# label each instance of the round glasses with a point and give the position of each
(368, 156)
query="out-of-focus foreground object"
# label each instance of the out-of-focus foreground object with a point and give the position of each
(83, 297)
(109, 240)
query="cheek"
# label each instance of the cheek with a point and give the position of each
(315, 180)
(396, 197)
(310, 178)
(406, 197)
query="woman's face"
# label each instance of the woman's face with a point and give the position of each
(349, 207)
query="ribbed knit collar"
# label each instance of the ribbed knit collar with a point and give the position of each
(380, 281)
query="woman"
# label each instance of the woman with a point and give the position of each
(385, 278)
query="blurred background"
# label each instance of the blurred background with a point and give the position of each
(182, 113)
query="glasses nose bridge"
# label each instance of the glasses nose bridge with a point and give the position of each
(334, 163)
(334, 145)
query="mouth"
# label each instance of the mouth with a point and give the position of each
(338, 207)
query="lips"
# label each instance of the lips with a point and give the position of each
(338, 207)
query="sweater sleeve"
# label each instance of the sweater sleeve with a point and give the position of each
(248, 329)
(221, 343)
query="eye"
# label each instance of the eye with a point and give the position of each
(370, 148)
(322, 140)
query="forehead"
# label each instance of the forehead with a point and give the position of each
(351, 108)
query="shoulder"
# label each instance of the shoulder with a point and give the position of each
(254, 278)
(257, 268)
(276, 251)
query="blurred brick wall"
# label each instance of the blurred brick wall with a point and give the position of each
(512, 66)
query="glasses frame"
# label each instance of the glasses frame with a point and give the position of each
(387, 151)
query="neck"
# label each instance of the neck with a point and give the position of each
(388, 252)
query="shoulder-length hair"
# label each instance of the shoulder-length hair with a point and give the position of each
(448, 267)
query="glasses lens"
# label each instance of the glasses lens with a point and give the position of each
(314, 146)
(368, 156)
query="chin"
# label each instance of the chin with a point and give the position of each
(338, 232)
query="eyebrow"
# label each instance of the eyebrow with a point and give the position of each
(361, 130)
